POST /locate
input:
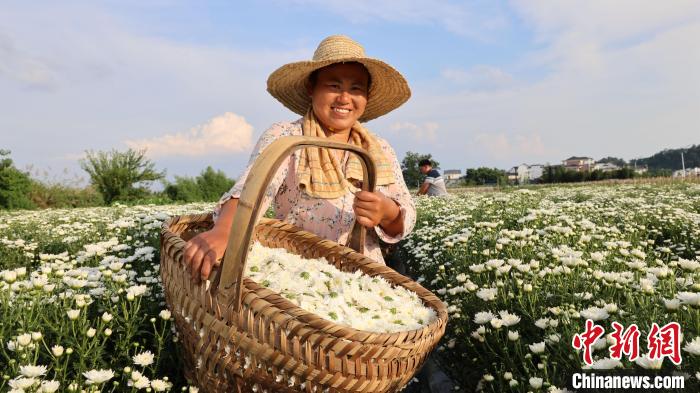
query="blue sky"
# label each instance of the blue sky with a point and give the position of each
(495, 83)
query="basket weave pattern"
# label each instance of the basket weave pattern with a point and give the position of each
(250, 338)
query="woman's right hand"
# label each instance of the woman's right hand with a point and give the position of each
(204, 251)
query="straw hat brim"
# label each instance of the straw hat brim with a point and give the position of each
(388, 89)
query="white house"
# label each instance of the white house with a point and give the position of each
(452, 174)
(519, 174)
(605, 167)
(689, 172)
(524, 173)
(535, 172)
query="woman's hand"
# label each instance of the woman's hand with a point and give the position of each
(374, 208)
(204, 251)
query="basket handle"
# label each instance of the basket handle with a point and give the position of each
(261, 173)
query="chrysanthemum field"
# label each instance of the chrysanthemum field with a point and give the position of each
(522, 270)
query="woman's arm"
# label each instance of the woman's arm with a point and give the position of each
(204, 251)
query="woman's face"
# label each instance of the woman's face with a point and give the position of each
(339, 96)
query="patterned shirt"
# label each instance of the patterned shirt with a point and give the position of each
(330, 219)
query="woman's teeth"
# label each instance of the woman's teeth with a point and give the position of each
(341, 110)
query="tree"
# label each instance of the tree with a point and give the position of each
(208, 186)
(213, 184)
(410, 169)
(14, 184)
(484, 175)
(613, 160)
(120, 175)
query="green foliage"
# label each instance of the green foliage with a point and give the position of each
(14, 185)
(208, 186)
(483, 175)
(671, 159)
(411, 171)
(613, 160)
(46, 195)
(120, 175)
(559, 174)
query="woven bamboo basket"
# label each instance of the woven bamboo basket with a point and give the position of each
(238, 336)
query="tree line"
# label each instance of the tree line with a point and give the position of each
(115, 176)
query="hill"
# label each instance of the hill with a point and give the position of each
(671, 158)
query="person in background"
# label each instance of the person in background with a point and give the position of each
(434, 184)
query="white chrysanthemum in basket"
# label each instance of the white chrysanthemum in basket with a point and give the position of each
(352, 299)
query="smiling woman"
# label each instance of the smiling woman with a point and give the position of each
(318, 189)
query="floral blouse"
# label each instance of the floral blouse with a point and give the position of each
(331, 219)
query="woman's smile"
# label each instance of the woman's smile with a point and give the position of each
(339, 95)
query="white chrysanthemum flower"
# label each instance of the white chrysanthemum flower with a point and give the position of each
(73, 314)
(57, 350)
(537, 348)
(483, 317)
(96, 377)
(143, 359)
(536, 382)
(49, 386)
(24, 339)
(542, 323)
(672, 304)
(23, 383)
(688, 264)
(513, 335)
(107, 317)
(693, 347)
(32, 371)
(487, 294)
(165, 315)
(649, 364)
(691, 298)
(142, 383)
(160, 385)
(508, 318)
(497, 323)
(595, 314)
(137, 290)
(604, 364)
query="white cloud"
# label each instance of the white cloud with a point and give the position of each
(501, 146)
(228, 133)
(480, 77)
(475, 19)
(601, 83)
(426, 132)
(28, 70)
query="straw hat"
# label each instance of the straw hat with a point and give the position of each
(387, 91)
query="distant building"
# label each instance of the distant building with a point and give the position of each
(689, 172)
(641, 169)
(452, 174)
(519, 174)
(605, 167)
(535, 172)
(578, 164)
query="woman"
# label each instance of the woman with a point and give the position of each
(316, 189)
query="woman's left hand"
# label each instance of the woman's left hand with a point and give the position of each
(374, 208)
